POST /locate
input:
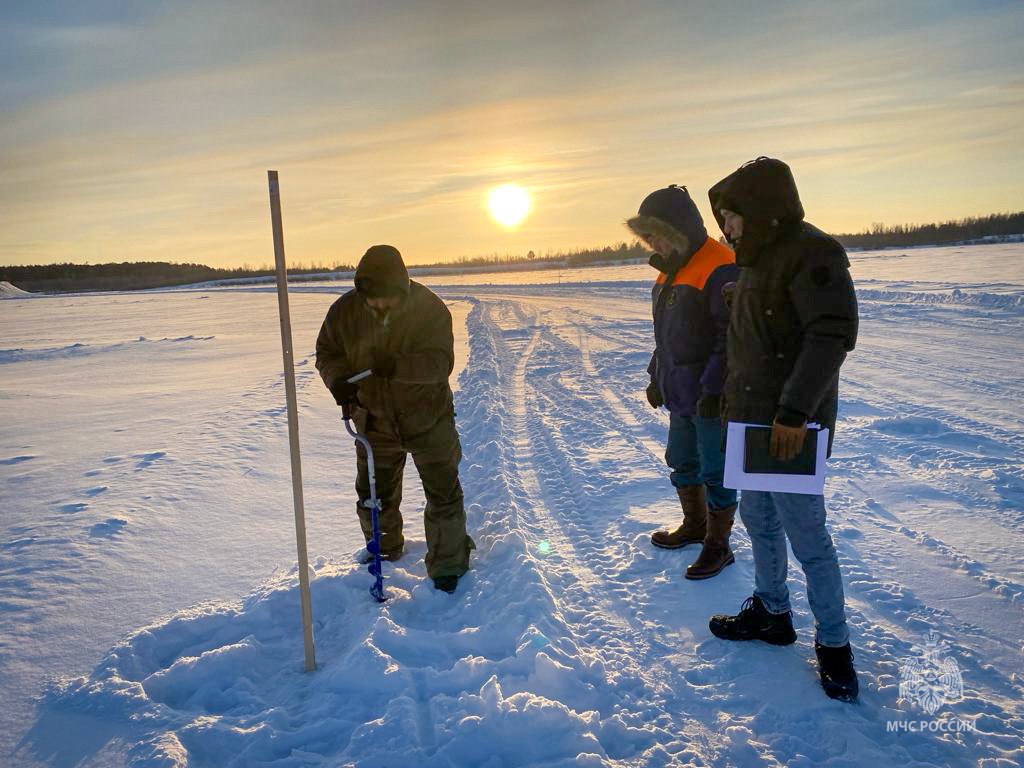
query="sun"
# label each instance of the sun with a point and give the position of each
(509, 205)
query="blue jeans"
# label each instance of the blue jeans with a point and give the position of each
(772, 517)
(695, 454)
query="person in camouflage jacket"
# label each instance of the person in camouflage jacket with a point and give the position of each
(401, 331)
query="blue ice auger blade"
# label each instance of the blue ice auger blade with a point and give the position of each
(373, 503)
(376, 568)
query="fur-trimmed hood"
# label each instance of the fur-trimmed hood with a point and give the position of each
(670, 213)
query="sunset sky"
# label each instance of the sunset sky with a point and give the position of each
(144, 130)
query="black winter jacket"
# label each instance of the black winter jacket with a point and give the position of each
(794, 314)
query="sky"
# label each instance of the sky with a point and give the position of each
(143, 131)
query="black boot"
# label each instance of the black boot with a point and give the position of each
(755, 622)
(835, 667)
(446, 583)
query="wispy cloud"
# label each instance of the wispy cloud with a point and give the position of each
(390, 122)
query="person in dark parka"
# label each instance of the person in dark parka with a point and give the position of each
(403, 332)
(794, 319)
(687, 369)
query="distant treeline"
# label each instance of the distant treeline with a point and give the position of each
(57, 278)
(138, 275)
(577, 258)
(972, 228)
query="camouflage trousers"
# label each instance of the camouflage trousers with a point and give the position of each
(436, 454)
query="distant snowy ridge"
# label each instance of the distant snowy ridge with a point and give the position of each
(1013, 301)
(82, 350)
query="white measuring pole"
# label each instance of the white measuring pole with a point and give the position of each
(293, 420)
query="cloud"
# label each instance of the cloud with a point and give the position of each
(150, 136)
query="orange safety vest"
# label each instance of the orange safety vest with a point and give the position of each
(698, 269)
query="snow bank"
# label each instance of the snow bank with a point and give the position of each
(1013, 301)
(83, 350)
(9, 291)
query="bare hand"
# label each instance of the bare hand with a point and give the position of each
(786, 442)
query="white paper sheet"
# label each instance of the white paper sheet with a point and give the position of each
(736, 478)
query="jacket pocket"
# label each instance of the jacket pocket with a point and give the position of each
(680, 386)
(418, 407)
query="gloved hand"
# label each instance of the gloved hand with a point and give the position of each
(654, 395)
(709, 406)
(344, 393)
(383, 365)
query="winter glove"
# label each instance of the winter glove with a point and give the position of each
(344, 392)
(709, 406)
(383, 365)
(654, 395)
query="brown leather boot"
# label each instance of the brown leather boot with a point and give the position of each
(716, 553)
(695, 520)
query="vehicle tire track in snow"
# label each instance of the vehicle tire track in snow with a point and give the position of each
(533, 450)
(615, 402)
(602, 618)
(876, 623)
(641, 411)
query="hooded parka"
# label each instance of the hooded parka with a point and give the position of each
(794, 314)
(690, 314)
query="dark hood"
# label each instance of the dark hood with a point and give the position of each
(672, 214)
(381, 272)
(764, 193)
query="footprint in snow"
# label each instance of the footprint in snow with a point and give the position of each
(16, 460)
(76, 506)
(850, 533)
(147, 459)
(93, 492)
(108, 529)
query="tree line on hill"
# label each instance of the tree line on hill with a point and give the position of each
(945, 233)
(138, 275)
(58, 278)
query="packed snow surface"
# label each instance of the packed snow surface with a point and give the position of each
(149, 610)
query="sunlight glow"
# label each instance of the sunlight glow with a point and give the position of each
(509, 205)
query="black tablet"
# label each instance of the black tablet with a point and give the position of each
(758, 460)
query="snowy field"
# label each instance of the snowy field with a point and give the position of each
(149, 612)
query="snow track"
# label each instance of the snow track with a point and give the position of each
(571, 641)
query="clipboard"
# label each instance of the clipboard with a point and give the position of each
(749, 465)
